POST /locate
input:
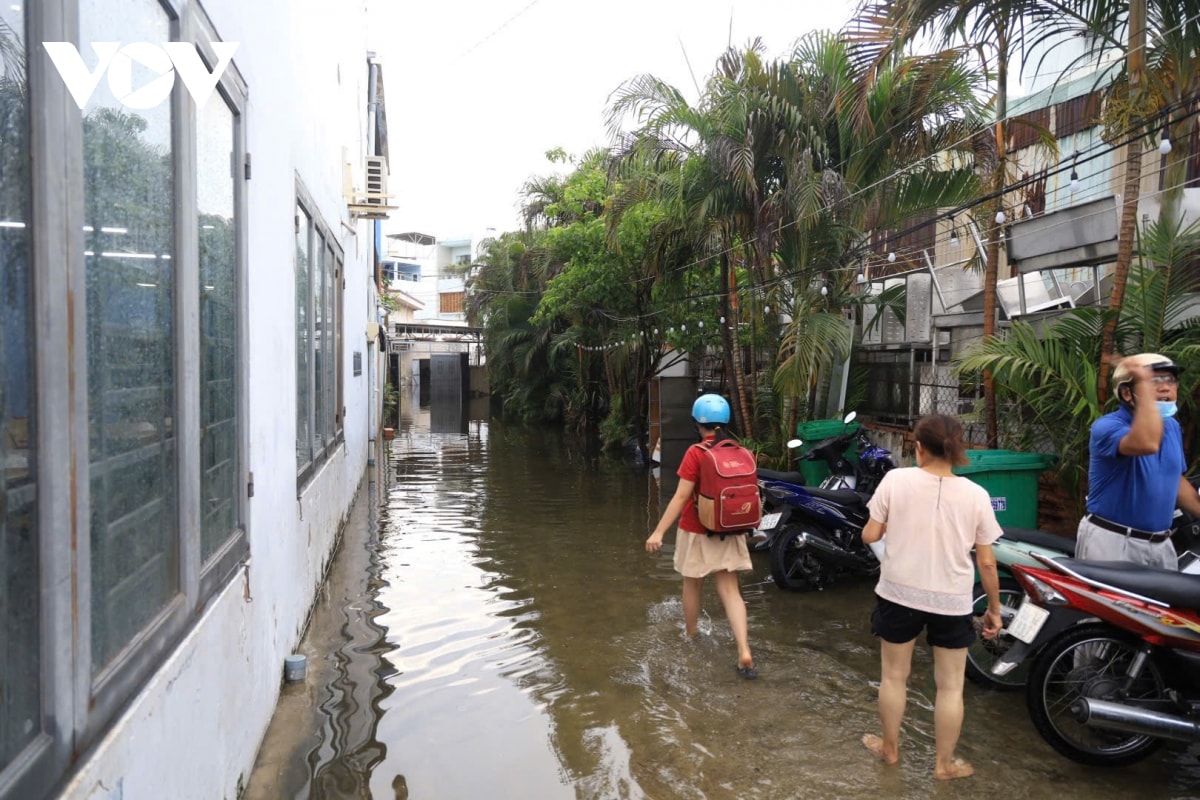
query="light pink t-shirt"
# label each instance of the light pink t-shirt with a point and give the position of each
(932, 524)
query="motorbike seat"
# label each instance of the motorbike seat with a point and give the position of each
(1049, 541)
(794, 478)
(846, 497)
(1177, 589)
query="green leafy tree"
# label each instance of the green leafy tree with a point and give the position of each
(1052, 378)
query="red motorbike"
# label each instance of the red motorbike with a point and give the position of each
(1115, 650)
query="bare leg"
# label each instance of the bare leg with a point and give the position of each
(949, 669)
(896, 661)
(691, 604)
(735, 611)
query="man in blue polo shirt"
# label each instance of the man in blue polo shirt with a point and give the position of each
(1135, 478)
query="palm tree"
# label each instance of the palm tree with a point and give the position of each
(722, 163)
(1160, 41)
(1053, 379)
(999, 31)
(867, 166)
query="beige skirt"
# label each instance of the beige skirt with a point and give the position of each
(698, 554)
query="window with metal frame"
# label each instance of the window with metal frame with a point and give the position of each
(318, 338)
(122, 506)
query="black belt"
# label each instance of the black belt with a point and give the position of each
(1125, 530)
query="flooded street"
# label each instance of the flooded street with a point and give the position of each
(492, 627)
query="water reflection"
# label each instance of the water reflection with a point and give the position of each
(516, 641)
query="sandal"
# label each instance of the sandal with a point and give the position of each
(747, 671)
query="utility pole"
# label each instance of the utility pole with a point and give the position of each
(1135, 66)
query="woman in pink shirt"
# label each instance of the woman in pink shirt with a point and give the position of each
(933, 518)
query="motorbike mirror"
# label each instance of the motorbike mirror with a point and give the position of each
(794, 443)
(850, 417)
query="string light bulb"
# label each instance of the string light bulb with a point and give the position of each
(1074, 180)
(824, 291)
(1000, 218)
(1164, 145)
(861, 278)
(953, 232)
(892, 257)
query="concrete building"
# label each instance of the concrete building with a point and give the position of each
(190, 374)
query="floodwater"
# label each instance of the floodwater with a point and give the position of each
(498, 631)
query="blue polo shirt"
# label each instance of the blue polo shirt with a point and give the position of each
(1138, 491)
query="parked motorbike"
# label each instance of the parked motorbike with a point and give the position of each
(822, 536)
(1020, 546)
(1115, 650)
(778, 491)
(1016, 546)
(863, 472)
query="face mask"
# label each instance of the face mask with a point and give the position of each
(1166, 408)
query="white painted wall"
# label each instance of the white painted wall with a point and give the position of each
(194, 730)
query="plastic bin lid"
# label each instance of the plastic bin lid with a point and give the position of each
(1002, 460)
(815, 429)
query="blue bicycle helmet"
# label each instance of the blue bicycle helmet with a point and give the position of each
(710, 409)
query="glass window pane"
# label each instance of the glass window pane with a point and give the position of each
(331, 327)
(20, 640)
(319, 347)
(129, 255)
(303, 435)
(218, 325)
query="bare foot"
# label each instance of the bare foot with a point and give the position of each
(875, 745)
(957, 769)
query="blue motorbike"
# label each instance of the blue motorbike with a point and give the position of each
(818, 536)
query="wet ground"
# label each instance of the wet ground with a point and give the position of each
(493, 628)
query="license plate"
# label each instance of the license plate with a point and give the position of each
(769, 521)
(1029, 620)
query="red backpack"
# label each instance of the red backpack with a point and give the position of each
(727, 499)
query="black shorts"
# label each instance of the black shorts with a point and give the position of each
(898, 624)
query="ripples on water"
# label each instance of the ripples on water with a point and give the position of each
(515, 641)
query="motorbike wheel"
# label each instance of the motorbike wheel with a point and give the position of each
(793, 566)
(984, 652)
(1090, 661)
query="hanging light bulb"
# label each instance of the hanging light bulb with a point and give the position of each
(954, 236)
(722, 320)
(824, 291)
(700, 323)
(1164, 146)
(766, 309)
(1074, 180)
(892, 257)
(656, 331)
(861, 278)
(1000, 218)
(683, 328)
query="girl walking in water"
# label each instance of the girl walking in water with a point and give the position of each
(697, 554)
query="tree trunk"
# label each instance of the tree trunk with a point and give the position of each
(991, 273)
(729, 345)
(1129, 199)
(739, 377)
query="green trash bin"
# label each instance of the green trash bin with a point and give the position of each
(1011, 480)
(814, 431)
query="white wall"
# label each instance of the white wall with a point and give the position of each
(194, 730)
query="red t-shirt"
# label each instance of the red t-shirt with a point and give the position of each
(689, 470)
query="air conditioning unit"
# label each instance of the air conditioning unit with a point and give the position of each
(373, 202)
(376, 194)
